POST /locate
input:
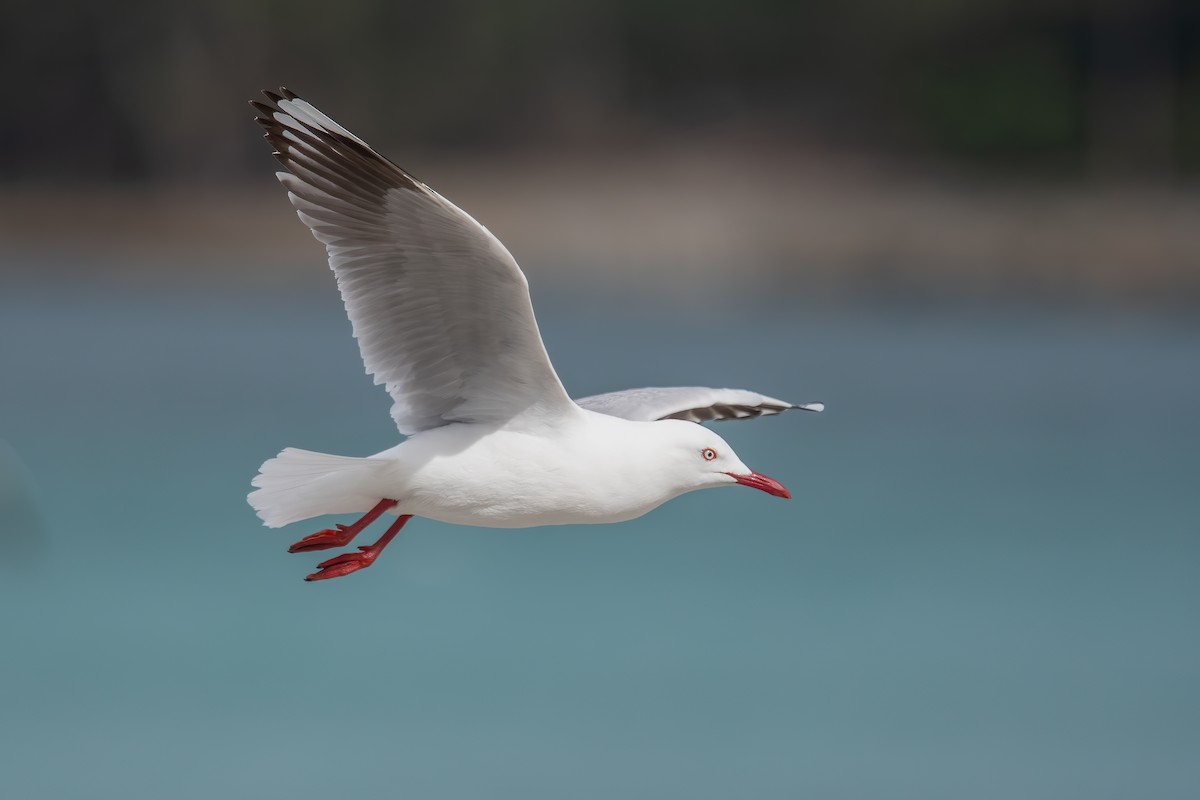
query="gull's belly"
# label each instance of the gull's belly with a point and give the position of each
(512, 512)
(513, 501)
(485, 485)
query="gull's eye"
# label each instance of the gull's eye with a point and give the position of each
(708, 453)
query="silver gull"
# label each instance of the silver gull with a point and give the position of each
(443, 319)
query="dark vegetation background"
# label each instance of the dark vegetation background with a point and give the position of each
(992, 146)
(1067, 89)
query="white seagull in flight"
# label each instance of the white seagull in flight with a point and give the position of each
(442, 316)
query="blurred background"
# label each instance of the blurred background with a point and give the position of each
(969, 228)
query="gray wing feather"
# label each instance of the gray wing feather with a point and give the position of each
(690, 403)
(440, 309)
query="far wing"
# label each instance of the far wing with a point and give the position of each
(690, 403)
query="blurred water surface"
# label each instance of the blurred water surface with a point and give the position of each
(985, 586)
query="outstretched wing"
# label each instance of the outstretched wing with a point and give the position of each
(690, 403)
(440, 309)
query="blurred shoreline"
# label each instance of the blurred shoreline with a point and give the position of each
(698, 219)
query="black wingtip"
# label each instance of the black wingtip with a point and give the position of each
(329, 151)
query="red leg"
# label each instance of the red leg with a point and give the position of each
(343, 535)
(346, 563)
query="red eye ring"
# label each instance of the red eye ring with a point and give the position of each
(708, 454)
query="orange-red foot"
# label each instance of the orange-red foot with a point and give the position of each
(342, 535)
(339, 536)
(346, 563)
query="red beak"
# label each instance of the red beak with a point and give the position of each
(757, 481)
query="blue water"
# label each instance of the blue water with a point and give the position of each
(985, 587)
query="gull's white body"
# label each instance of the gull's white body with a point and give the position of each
(597, 469)
(443, 319)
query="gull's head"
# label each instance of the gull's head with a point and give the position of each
(701, 459)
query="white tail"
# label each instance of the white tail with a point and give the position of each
(298, 484)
